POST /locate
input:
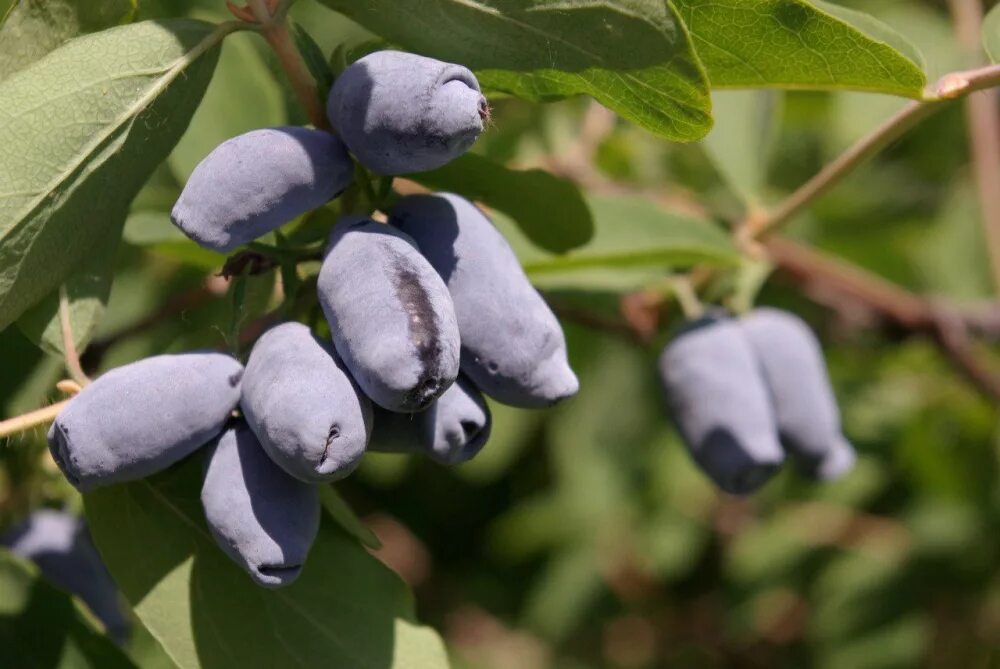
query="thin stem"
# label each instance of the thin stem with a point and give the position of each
(687, 297)
(950, 87)
(983, 112)
(70, 354)
(274, 28)
(30, 420)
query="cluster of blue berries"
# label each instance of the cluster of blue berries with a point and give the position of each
(427, 312)
(745, 392)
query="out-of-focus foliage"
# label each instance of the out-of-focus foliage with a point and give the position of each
(583, 537)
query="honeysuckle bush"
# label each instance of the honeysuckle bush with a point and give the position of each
(641, 158)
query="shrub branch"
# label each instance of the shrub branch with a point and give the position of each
(274, 28)
(953, 86)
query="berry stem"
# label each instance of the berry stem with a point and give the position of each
(950, 87)
(687, 297)
(274, 28)
(31, 420)
(70, 354)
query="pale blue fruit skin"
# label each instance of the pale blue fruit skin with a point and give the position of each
(256, 182)
(401, 113)
(391, 317)
(718, 400)
(303, 406)
(791, 360)
(59, 543)
(264, 519)
(139, 419)
(513, 347)
(450, 431)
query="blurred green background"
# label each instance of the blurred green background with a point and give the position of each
(583, 536)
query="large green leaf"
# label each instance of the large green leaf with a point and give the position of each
(345, 610)
(798, 44)
(80, 132)
(634, 56)
(550, 211)
(41, 627)
(33, 28)
(88, 289)
(634, 242)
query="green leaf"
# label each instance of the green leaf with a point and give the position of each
(33, 28)
(153, 229)
(312, 56)
(87, 289)
(955, 232)
(226, 110)
(991, 34)
(634, 242)
(550, 211)
(345, 610)
(40, 626)
(797, 44)
(564, 592)
(341, 512)
(80, 132)
(633, 56)
(740, 144)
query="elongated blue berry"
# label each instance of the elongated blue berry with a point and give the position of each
(401, 113)
(258, 181)
(303, 406)
(791, 360)
(59, 543)
(391, 317)
(717, 398)
(264, 519)
(450, 431)
(139, 419)
(513, 347)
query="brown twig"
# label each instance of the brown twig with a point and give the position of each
(274, 28)
(832, 281)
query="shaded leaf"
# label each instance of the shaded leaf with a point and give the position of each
(341, 512)
(740, 143)
(345, 610)
(797, 44)
(153, 229)
(634, 242)
(87, 289)
(314, 59)
(40, 626)
(80, 132)
(550, 211)
(543, 51)
(33, 28)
